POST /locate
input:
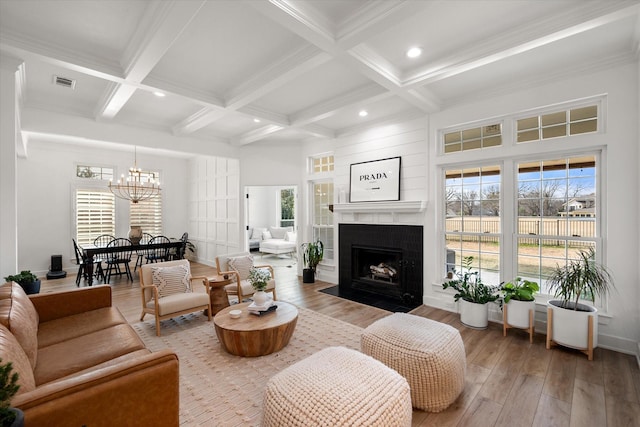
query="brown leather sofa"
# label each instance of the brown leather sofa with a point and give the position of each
(80, 363)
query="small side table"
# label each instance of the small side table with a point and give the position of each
(218, 296)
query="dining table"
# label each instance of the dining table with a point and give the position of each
(89, 251)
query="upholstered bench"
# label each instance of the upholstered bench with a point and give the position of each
(429, 354)
(337, 386)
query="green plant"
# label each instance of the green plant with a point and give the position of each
(259, 277)
(312, 254)
(8, 388)
(24, 278)
(580, 278)
(519, 289)
(469, 285)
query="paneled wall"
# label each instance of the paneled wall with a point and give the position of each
(214, 207)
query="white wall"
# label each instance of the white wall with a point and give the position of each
(46, 182)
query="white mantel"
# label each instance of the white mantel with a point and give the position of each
(396, 212)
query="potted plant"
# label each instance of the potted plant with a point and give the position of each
(8, 388)
(518, 305)
(29, 281)
(474, 296)
(259, 278)
(312, 254)
(569, 322)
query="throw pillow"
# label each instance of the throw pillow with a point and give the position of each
(171, 280)
(242, 264)
(279, 232)
(290, 236)
(257, 233)
(266, 235)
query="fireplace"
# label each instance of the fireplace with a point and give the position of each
(382, 260)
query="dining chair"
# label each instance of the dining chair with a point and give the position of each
(116, 259)
(158, 255)
(81, 261)
(178, 253)
(103, 240)
(142, 253)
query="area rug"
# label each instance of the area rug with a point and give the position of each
(219, 389)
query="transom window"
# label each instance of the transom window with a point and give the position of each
(94, 172)
(473, 138)
(557, 124)
(322, 164)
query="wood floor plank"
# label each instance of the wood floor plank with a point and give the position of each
(521, 404)
(552, 412)
(621, 413)
(618, 380)
(586, 407)
(538, 358)
(590, 370)
(481, 413)
(561, 375)
(504, 374)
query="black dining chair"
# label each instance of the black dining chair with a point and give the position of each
(158, 255)
(178, 253)
(103, 240)
(81, 261)
(116, 259)
(142, 253)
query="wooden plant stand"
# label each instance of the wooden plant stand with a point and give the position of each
(505, 323)
(551, 343)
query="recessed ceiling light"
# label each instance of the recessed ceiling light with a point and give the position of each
(256, 120)
(363, 113)
(159, 94)
(414, 52)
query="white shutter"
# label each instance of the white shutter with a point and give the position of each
(148, 215)
(95, 215)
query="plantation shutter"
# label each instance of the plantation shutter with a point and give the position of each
(95, 215)
(148, 215)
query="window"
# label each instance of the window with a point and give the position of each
(473, 139)
(148, 215)
(556, 213)
(557, 124)
(94, 172)
(95, 215)
(322, 217)
(472, 219)
(287, 207)
(322, 164)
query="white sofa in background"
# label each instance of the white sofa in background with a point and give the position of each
(278, 240)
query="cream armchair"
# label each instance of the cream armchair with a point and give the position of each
(237, 266)
(167, 291)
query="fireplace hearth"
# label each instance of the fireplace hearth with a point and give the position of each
(383, 261)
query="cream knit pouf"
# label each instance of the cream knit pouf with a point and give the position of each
(429, 354)
(337, 386)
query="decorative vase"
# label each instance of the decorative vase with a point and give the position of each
(260, 298)
(475, 316)
(135, 234)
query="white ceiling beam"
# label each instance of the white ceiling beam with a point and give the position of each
(255, 135)
(198, 120)
(317, 130)
(403, 116)
(366, 94)
(266, 115)
(276, 75)
(161, 25)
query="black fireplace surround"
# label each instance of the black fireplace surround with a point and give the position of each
(382, 260)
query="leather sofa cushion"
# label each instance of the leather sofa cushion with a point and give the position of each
(11, 351)
(65, 328)
(76, 354)
(178, 302)
(19, 315)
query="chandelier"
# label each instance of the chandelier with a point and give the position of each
(138, 185)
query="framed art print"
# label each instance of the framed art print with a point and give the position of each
(375, 181)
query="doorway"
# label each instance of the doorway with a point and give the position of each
(268, 206)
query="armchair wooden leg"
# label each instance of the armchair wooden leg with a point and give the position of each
(142, 316)
(157, 326)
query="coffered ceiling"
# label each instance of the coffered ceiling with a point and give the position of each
(245, 72)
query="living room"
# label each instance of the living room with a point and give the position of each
(204, 177)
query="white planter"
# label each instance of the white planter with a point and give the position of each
(474, 315)
(570, 328)
(517, 313)
(260, 298)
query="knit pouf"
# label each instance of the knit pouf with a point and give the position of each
(337, 386)
(429, 354)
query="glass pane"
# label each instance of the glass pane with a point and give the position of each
(452, 137)
(471, 134)
(492, 141)
(583, 113)
(529, 123)
(554, 118)
(530, 135)
(583, 127)
(452, 148)
(473, 144)
(491, 130)
(554, 132)
(529, 225)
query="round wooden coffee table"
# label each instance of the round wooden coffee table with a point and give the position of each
(251, 335)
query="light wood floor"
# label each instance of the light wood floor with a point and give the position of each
(509, 382)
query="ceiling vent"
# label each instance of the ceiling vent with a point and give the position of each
(64, 82)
